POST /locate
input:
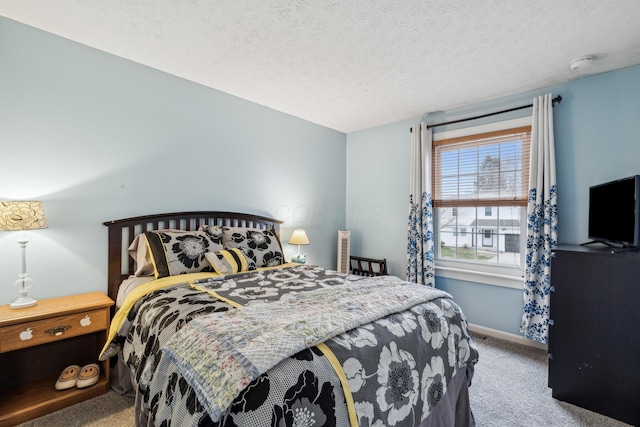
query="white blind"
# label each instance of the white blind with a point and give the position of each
(489, 169)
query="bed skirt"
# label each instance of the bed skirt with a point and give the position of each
(454, 409)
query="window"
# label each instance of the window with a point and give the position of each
(480, 185)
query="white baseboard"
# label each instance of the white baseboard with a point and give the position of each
(506, 336)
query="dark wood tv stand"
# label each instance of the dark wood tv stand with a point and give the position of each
(594, 345)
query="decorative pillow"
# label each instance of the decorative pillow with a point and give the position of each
(139, 252)
(261, 247)
(180, 252)
(228, 261)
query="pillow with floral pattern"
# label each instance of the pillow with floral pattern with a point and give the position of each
(181, 252)
(261, 247)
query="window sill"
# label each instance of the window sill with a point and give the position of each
(496, 276)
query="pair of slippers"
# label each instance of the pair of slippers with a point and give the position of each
(80, 377)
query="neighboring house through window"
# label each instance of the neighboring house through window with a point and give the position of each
(480, 185)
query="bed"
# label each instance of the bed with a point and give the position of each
(215, 328)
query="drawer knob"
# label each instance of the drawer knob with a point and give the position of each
(57, 331)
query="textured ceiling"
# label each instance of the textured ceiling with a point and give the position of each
(353, 64)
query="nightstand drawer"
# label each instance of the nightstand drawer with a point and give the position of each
(58, 328)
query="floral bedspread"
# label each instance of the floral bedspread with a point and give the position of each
(397, 367)
(240, 345)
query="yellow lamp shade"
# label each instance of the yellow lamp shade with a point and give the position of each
(299, 237)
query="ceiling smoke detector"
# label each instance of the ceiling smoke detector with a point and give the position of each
(581, 63)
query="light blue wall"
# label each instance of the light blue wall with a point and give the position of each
(97, 137)
(377, 186)
(596, 135)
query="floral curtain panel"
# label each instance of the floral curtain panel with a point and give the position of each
(420, 246)
(542, 223)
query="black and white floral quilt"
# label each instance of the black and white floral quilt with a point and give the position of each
(396, 368)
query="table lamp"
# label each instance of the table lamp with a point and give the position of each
(299, 237)
(22, 216)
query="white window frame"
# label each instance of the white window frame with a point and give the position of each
(498, 275)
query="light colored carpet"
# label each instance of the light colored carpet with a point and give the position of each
(509, 390)
(108, 410)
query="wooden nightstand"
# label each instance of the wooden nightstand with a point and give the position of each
(37, 343)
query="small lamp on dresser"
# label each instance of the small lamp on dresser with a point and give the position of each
(299, 237)
(22, 216)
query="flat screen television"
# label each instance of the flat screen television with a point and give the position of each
(614, 212)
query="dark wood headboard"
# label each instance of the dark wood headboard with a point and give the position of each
(123, 231)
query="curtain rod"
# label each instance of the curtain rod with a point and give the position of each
(555, 100)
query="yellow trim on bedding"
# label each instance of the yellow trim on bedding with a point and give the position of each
(165, 282)
(348, 397)
(215, 295)
(143, 290)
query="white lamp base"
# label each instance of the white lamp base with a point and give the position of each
(23, 284)
(23, 302)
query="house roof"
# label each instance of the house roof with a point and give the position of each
(357, 64)
(493, 223)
